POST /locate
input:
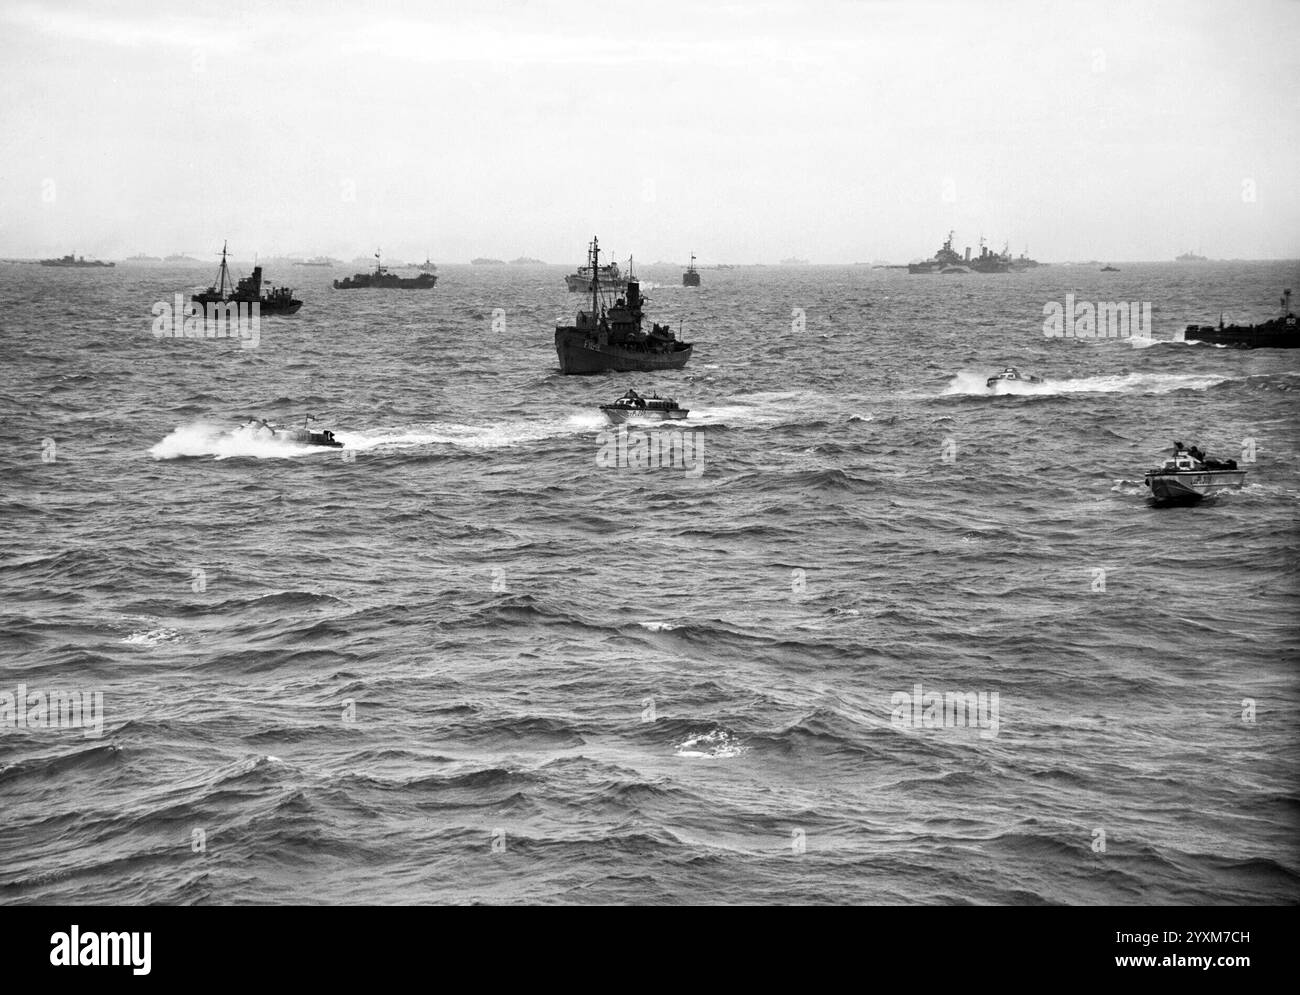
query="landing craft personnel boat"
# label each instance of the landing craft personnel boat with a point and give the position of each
(1191, 475)
(277, 300)
(691, 278)
(383, 280)
(1013, 375)
(303, 436)
(610, 338)
(1278, 333)
(634, 406)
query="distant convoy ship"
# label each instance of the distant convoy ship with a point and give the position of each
(610, 338)
(1190, 257)
(381, 279)
(319, 261)
(608, 277)
(1278, 333)
(277, 300)
(485, 261)
(947, 260)
(178, 258)
(428, 266)
(76, 262)
(691, 278)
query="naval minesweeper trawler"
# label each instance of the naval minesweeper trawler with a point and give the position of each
(610, 338)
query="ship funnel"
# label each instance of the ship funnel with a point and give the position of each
(1286, 303)
(633, 294)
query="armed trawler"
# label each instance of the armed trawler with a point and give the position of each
(1279, 333)
(277, 300)
(610, 338)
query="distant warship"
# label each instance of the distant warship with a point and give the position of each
(948, 260)
(277, 300)
(691, 278)
(945, 257)
(383, 280)
(1190, 257)
(610, 338)
(608, 277)
(1279, 333)
(75, 262)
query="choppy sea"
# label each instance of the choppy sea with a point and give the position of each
(461, 660)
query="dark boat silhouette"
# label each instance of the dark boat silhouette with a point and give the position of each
(1279, 333)
(691, 278)
(277, 300)
(381, 279)
(610, 338)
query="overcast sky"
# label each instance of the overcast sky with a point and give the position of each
(836, 131)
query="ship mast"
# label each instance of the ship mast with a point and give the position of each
(225, 273)
(595, 277)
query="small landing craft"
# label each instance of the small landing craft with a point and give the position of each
(303, 436)
(1191, 475)
(610, 338)
(635, 406)
(1011, 375)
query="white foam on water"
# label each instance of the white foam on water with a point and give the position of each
(716, 745)
(221, 442)
(974, 384)
(152, 637)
